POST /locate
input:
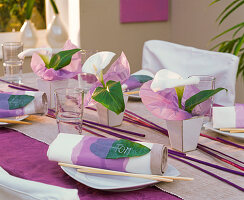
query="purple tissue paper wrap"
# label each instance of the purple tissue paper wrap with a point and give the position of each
(164, 104)
(69, 71)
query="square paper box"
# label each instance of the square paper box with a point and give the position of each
(49, 86)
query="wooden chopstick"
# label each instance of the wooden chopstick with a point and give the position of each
(236, 131)
(233, 130)
(132, 92)
(110, 172)
(14, 121)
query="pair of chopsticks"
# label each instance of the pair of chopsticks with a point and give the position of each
(92, 170)
(14, 121)
(233, 130)
(132, 92)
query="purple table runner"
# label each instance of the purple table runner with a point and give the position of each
(24, 157)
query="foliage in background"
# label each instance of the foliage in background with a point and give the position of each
(55, 8)
(28, 8)
(13, 14)
(235, 44)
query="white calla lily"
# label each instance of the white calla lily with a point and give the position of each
(29, 52)
(97, 62)
(168, 79)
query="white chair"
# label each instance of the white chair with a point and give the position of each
(188, 61)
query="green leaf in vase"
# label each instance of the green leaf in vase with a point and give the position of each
(19, 101)
(29, 8)
(62, 59)
(125, 148)
(110, 97)
(142, 78)
(199, 98)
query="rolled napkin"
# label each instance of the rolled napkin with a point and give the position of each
(137, 79)
(22, 103)
(102, 153)
(228, 117)
(15, 188)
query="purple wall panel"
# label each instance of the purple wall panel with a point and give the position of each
(143, 10)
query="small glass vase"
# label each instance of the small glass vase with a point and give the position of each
(56, 33)
(28, 34)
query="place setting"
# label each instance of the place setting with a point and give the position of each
(83, 119)
(67, 105)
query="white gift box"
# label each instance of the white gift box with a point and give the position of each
(108, 117)
(184, 134)
(49, 86)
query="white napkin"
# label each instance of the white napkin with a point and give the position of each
(228, 117)
(14, 188)
(78, 151)
(188, 61)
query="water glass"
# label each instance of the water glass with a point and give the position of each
(69, 109)
(11, 63)
(86, 80)
(207, 82)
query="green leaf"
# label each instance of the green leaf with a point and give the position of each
(239, 45)
(228, 46)
(125, 148)
(217, 45)
(142, 78)
(237, 31)
(45, 59)
(110, 97)
(229, 6)
(228, 30)
(231, 11)
(55, 8)
(62, 59)
(199, 98)
(29, 7)
(214, 2)
(241, 65)
(19, 101)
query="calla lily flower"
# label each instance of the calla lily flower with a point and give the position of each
(29, 52)
(168, 79)
(165, 79)
(97, 62)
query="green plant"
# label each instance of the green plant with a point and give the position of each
(55, 8)
(235, 44)
(29, 8)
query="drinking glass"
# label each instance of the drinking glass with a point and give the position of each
(207, 82)
(86, 80)
(69, 109)
(11, 63)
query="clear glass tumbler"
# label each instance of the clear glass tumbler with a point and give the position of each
(11, 62)
(86, 80)
(69, 109)
(207, 82)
